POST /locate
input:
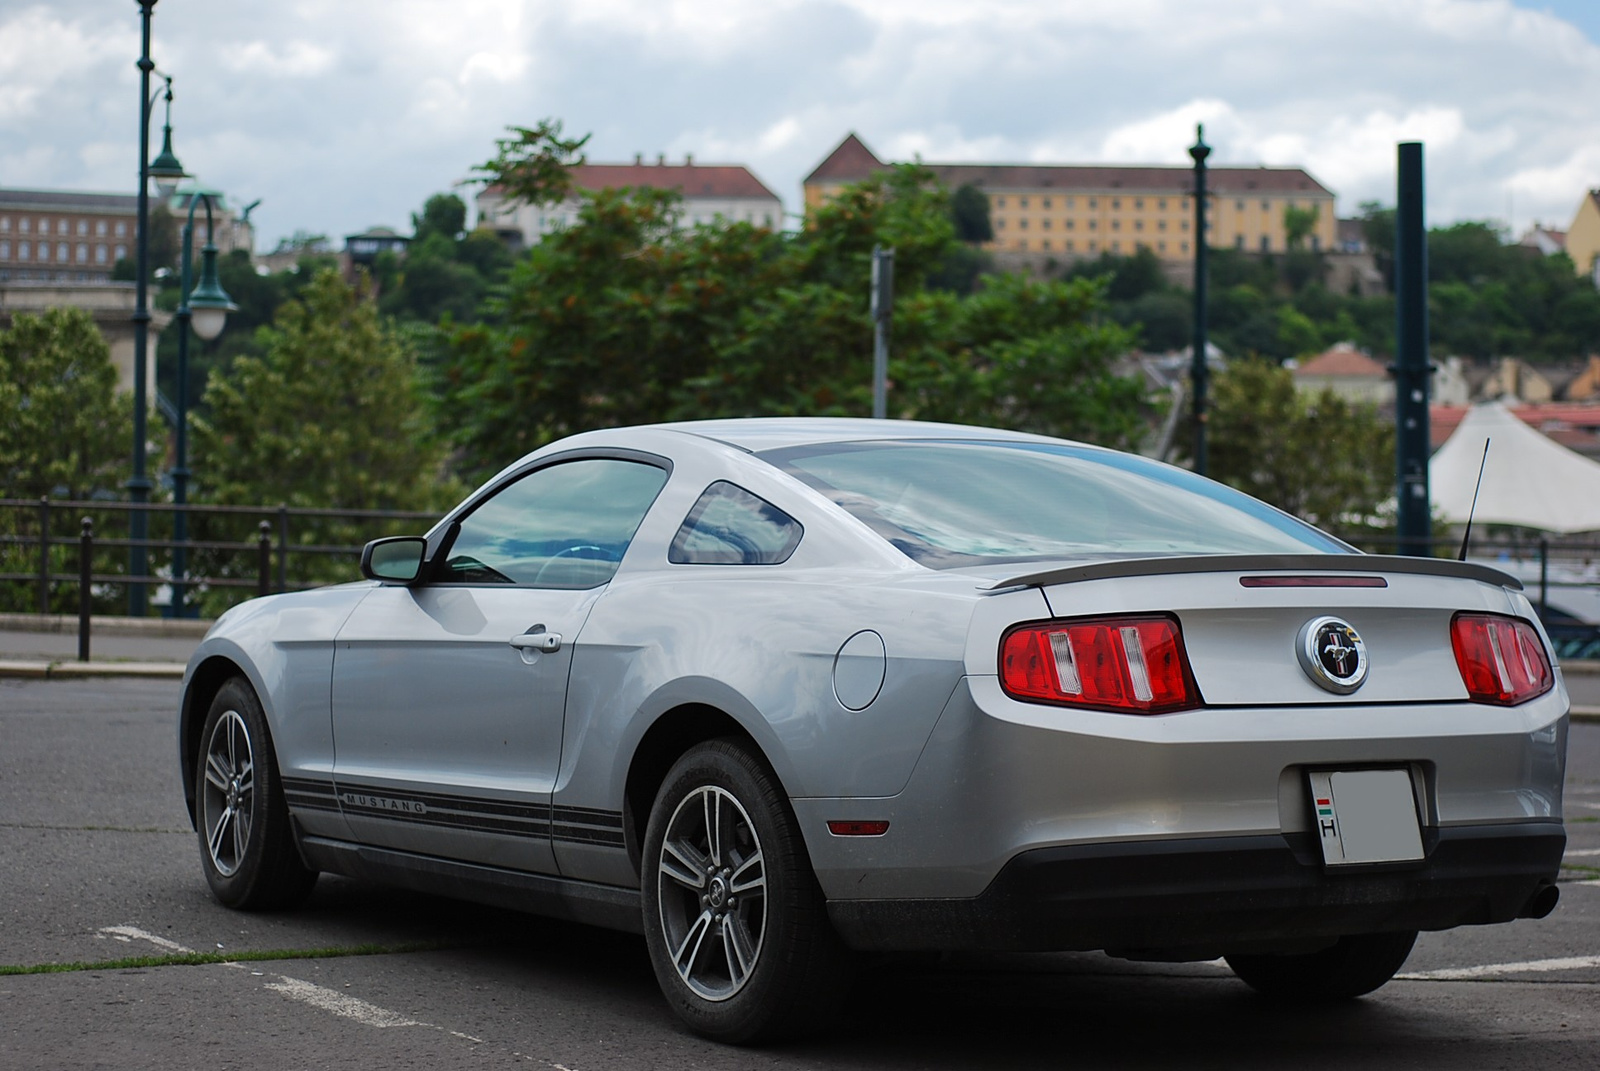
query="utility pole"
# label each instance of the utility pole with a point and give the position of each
(1411, 368)
(1198, 372)
(882, 309)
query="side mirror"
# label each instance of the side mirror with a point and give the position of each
(397, 559)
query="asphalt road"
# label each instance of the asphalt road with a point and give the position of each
(99, 866)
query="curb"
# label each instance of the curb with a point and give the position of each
(61, 671)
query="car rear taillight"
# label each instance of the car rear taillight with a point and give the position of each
(1135, 665)
(1502, 659)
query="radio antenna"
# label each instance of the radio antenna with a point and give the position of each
(1467, 538)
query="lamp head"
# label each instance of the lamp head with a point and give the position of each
(165, 168)
(209, 304)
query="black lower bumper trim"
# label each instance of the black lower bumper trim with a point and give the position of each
(1219, 894)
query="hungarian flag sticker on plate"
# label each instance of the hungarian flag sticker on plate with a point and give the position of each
(1365, 816)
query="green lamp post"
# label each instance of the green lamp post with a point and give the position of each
(205, 308)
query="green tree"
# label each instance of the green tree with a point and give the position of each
(1298, 224)
(969, 211)
(1318, 456)
(535, 165)
(64, 430)
(329, 416)
(443, 214)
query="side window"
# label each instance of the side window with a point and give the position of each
(731, 526)
(565, 526)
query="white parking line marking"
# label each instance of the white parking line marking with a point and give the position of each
(1581, 851)
(339, 1004)
(129, 934)
(1536, 966)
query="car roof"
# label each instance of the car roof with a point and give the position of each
(757, 434)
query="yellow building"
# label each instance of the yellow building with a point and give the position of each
(1583, 237)
(1086, 210)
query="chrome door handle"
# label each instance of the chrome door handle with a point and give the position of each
(548, 642)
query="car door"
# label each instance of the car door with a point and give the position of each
(448, 695)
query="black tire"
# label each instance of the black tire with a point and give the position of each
(247, 847)
(1354, 966)
(738, 931)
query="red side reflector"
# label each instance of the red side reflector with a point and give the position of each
(1134, 665)
(858, 829)
(1313, 582)
(1502, 660)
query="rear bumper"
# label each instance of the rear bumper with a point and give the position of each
(1203, 897)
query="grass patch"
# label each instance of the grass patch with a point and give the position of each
(1586, 818)
(200, 959)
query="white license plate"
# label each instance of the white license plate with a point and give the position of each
(1365, 816)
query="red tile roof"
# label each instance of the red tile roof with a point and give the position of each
(852, 161)
(1573, 426)
(693, 180)
(1176, 180)
(1341, 361)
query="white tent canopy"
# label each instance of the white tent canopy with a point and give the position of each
(1528, 480)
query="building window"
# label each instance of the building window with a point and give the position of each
(1045, 245)
(1316, 244)
(1094, 202)
(1000, 224)
(1185, 204)
(99, 254)
(1161, 247)
(1161, 224)
(1022, 201)
(1069, 245)
(23, 249)
(1266, 244)
(1093, 246)
(1184, 225)
(122, 229)
(64, 227)
(1266, 207)
(1094, 224)
(121, 252)
(1138, 224)
(1238, 206)
(1022, 224)
(5, 250)
(1046, 202)
(1116, 202)
(1116, 224)
(1162, 204)
(1047, 223)
(83, 252)
(5, 224)
(1116, 247)
(63, 254)
(1071, 202)
(24, 224)
(999, 202)
(99, 228)
(1184, 248)
(83, 228)
(1071, 224)
(1138, 202)
(1238, 241)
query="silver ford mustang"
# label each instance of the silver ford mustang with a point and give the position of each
(774, 691)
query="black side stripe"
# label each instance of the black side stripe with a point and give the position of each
(579, 825)
(309, 794)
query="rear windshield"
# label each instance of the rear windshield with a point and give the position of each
(953, 503)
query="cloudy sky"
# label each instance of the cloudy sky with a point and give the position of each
(340, 114)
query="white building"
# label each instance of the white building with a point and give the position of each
(711, 192)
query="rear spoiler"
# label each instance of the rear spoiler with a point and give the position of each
(1255, 563)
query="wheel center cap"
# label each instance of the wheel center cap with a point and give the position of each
(719, 892)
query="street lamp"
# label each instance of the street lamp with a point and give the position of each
(166, 170)
(206, 308)
(1198, 372)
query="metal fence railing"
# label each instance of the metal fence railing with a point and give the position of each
(58, 554)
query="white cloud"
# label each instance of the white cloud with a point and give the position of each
(346, 114)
